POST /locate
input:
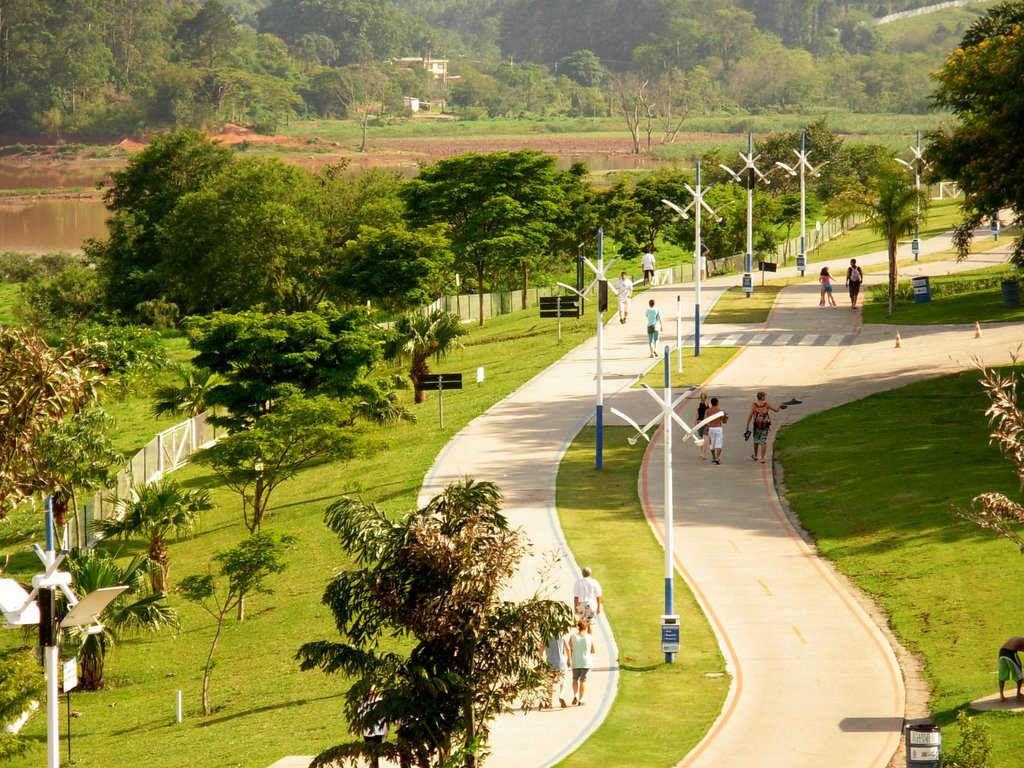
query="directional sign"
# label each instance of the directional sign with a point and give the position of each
(432, 382)
(559, 306)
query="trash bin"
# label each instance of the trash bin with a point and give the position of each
(1011, 293)
(922, 289)
(924, 745)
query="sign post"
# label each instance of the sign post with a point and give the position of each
(439, 382)
(70, 681)
(559, 306)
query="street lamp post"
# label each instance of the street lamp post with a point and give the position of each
(802, 166)
(916, 164)
(599, 277)
(696, 204)
(21, 608)
(666, 417)
(749, 177)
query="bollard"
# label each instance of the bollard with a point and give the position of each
(924, 745)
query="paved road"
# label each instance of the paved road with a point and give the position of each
(814, 681)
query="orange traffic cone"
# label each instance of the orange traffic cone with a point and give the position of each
(898, 345)
(977, 330)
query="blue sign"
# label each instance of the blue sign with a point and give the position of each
(801, 261)
(748, 283)
(670, 638)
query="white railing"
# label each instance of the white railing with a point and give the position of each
(167, 451)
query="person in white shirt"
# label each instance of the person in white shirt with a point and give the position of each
(647, 264)
(623, 291)
(586, 597)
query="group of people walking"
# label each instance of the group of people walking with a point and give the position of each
(854, 279)
(711, 418)
(575, 652)
(623, 290)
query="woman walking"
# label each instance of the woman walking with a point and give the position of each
(702, 432)
(761, 418)
(826, 287)
(653, 327)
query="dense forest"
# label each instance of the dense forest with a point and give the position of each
(109, 68)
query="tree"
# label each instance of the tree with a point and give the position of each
(438, 577)
(134, 611)
(77, 455)
(583, 67)
(251, 236)
(891, 207)
(982, 151)
(39, 387)
(253, 462)
(210, 35)
(21, 684)
(396, 268)
(419, 337)
(264, 358)
(188, 396)
(140, 198)
(499, 209)
(242, 570)
(157, 512)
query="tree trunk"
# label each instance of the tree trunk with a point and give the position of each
(892, 276)
(526, 283)
(418, 370)
(92, 669)
(158, 554)
(60, 511)
(480, 288)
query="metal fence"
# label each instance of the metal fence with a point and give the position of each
(168, 451)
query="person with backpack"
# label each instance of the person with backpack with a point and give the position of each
(854, 277)
(654, 327)
(760, 418)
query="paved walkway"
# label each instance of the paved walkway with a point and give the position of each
(780, 616)
(814, 680)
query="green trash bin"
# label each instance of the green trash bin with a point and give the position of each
(1011, 293)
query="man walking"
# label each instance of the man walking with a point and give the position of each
(647, 264)
(586, 597)
(715, 431)
(623, 291)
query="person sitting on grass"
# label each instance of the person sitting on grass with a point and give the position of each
(1009, 665)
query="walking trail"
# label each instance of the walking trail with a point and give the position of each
(814, 680)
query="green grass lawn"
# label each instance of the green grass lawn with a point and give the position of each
(696, 370)
(733, 306)
(265, 707)
(875, 483)
(984, 305)
(662, 710)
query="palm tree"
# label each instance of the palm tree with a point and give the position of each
(186, 397)
(892, 207)
(136, 610)
(157, 512)
(419, 337)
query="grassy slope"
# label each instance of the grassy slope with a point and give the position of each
(876, 482)
(266, 707)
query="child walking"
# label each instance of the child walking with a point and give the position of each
(826, 288)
